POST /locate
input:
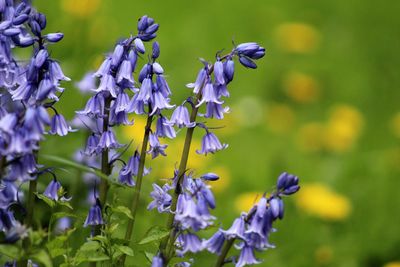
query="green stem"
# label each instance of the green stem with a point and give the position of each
(167, 244)
(105, 165)
(138, 186)
(224, 253)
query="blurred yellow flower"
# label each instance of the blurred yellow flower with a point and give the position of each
(224, 179)
(395, 125)
(280, 118)
(343, 128)
(392, 264)
(245, 201)
(310, 137)
(301, 88)
(135, 132)
(323, 255)
(297, 37)
(319, 200)
(80, 8)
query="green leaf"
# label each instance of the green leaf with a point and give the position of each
(124, 249)
(101, 239)
(64, 204)
(75, 165)
(154, 234)
(43, 257)
(124, 210)
(10, 251)
(149, 256)
(51, 203)
(90, 246)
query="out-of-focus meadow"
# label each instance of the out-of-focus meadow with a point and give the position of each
(323, 104)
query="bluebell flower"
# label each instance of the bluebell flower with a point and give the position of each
(136, 106)
(54, 37)
(107, 84)
(92, 145)
(251, 50)
(247, 257)
(155, 147)
(117, 55)
(126, 178)
(104, 68)
(162, 85)
(124, 75)
(94, 106)
(248, 63)
(161, 198)
(237, 229)
(200, 80)
(277, 209)
(163, 128)
(219, 72)
(7, 220)
(210, 176)
(159, 102)
(145, 91)
(209, 95)
(95, 216)
(215, 110)
(40, 58)
(59, 126)
(62, 225)
(52, 190)
(215, 243)
(121, 104)
(287, 184)
(156, 50)
(180, 117)
(189, 242)
(139, 46)
(132, 167)
(229, 70)
(210, 144)
(108, 141)
(8, 123)
(87, 83)
(157, 261)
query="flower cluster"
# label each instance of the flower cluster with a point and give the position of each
(28, 91)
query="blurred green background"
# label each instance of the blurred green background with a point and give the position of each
(323, 104)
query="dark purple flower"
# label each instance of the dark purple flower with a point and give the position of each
(287, 184)
(229, 70)
(210, 144)
(248, 63)
(126, 178)
(210, 176)
(95, 216)
(156, 50)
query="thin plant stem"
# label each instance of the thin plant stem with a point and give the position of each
(169, 240)
(138, 186)
(105, 165)
(221, 258)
